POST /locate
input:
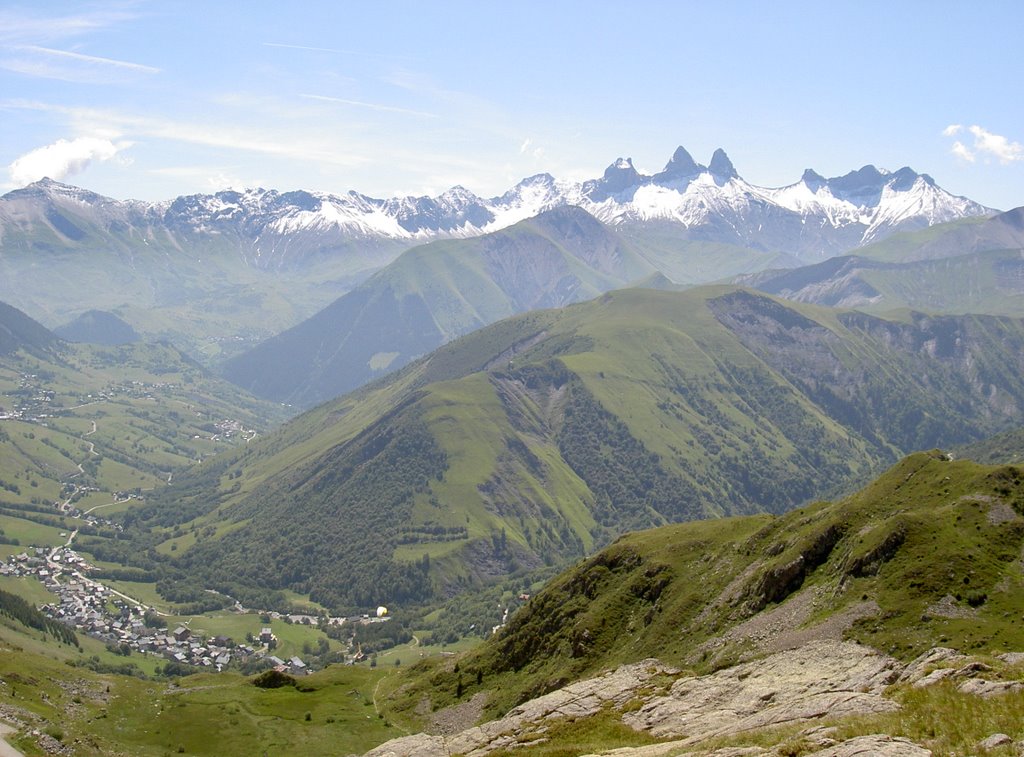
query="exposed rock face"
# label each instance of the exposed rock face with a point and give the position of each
(874, 745)
(825, 677)
(994, 741)
(412, 746)
(833, 678)
(822, 678)
(579, 700)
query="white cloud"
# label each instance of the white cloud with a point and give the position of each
(960, 150)
(19, 25)
(527, 148)
(49, 63)
(214, 178)
(62, 159)
(985, 145)
(314, 147)
(997, 146)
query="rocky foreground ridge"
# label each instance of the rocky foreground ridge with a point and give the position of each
(824, 680)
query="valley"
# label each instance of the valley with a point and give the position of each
(574, 468)
(217, 274)
(511, 380)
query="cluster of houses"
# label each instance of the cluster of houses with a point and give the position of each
(32, 402)
(101, 612)
(228, 428)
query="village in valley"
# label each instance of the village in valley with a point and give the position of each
(126, 624)
(129, 626)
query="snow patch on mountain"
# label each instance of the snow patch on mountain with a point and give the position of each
(712, 202)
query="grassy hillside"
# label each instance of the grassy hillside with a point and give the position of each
(1004, 231)
(92, 429)
(434, 293)
(1001, 449)
(926, 555)
(51, 702)
(983, 282)
(533, 441)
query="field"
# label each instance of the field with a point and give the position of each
(223, 715)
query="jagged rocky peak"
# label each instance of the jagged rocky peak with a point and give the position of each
(539, 179)
(458, 193)
(906, 177)
(721, 166)
(863, 179)
(813, 179)
(621, 167)
(681, 166)
(48, 188)
(620, 175)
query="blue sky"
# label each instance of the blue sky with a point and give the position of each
(150, 100)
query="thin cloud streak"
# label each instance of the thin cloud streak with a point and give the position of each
(21, 27)
(371, 106)
(90, 59)
(92, 120)
(311, 49)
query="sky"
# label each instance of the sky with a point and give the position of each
(151, 100)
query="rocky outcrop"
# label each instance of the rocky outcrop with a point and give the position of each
(833, 678)
(880, 744)
(823, 678)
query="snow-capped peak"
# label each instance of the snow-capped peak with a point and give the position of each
(721, 166)
(711, 202)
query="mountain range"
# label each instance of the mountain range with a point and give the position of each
(544, 435)
(434, 293)
(218, 273)
(275, 229)
(975, 267)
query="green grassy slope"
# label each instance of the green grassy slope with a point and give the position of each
(981, 282)
(532, 441)
(966, 236)
(926, 555)
(1005, 448)
(44, 696)
(86, 425)
(434, 293)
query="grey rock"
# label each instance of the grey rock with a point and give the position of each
(577, 700)
(823, 678)
(1012, 658)
(994, 741)
(877, 744)
(934, 677)
(982, 688)
(925, 663)
(418, 745)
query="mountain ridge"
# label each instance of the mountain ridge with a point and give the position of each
(542, 435)
(684, 192)
(918, 572)
(434, 293)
